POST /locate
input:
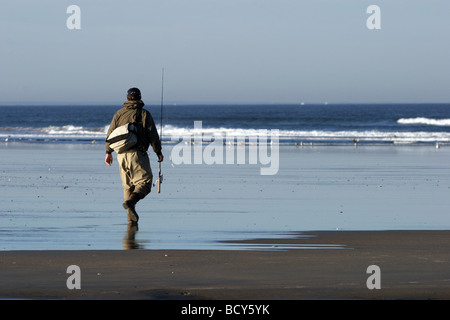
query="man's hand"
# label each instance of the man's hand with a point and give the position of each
(160, 158)
(109, 159)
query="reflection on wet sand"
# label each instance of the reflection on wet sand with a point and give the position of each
(129, 242)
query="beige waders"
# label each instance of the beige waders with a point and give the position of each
(136, 173)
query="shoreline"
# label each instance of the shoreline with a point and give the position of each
(413, 265)
(62, 207)
(283, 141)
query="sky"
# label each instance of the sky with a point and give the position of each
(225, 51)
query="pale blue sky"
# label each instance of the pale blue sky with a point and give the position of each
(250, 51)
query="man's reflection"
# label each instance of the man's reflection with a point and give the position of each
(129, 242)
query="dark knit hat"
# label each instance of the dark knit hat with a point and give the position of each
(134, 93)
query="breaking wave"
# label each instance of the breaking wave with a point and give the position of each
(174, 134)
(312, 135)
(426, 121)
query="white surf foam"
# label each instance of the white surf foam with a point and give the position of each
(173, 133)
(426, 121)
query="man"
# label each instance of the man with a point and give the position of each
(134, 164)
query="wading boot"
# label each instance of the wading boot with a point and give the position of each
(130, 205)
(132, 217)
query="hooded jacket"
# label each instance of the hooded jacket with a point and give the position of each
(129, 113)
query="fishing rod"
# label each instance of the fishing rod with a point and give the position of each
(160, 176)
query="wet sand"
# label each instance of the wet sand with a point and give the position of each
(62, 207)
(413, 265)
(64, 197)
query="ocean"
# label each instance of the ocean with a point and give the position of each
(296, 123)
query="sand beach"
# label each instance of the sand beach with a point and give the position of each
(413, 265)
(225, 231)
